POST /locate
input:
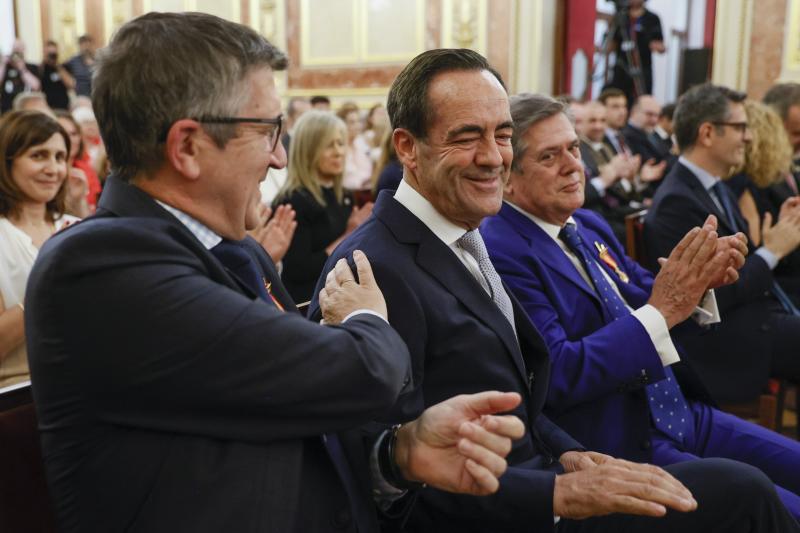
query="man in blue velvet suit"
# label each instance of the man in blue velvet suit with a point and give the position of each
(607, 320)
(172, 390)
(466, 333)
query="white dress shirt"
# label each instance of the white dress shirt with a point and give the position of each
(707, 180)
(651, 318)
(445, 230)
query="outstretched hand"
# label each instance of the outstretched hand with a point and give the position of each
(460, 445)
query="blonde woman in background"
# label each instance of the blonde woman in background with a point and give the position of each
(325, 211)
(768, 159)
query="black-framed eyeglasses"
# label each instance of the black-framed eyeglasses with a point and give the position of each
(741, 127)
(273, 135)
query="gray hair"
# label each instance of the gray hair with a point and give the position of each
(163, 67)
(528, 109)
(783, 96)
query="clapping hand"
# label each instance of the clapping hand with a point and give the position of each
(275, 234)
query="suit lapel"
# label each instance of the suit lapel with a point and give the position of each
(700, 192)
(590, 238)
(546, 249)
(125, 200)
(439, 261)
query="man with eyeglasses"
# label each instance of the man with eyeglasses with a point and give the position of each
(760, 329)
(176, 389)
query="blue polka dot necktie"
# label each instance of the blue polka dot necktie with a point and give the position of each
(236, 258)
(668, 407)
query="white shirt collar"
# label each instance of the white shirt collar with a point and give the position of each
(661, 132)
(552, 230)
(705, 177)
(206, 236)
(412, 200)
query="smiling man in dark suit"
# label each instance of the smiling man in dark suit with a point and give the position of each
(466, 333)
(175, 387)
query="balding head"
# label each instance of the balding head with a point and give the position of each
(645, 112)
(578, 112)
(595, 126)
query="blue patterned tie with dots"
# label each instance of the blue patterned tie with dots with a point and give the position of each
(668, 407)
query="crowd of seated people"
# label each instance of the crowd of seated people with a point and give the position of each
(715, 171)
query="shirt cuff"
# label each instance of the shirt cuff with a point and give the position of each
(364, 312)
(656, 327)
(768, 257)
(707, 312)
(598, 184)
(383, 493)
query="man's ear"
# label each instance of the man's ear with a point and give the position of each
(405, 145)
(508, 188)
(183, 147)
(705, 134)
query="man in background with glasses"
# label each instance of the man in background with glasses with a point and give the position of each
(760, 329)
(176, 389)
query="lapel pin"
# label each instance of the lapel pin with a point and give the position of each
(605, 257)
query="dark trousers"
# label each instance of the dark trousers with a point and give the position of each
(732, 497)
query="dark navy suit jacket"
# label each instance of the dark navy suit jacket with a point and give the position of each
(170, 398)
(460, 342)
(599, 369)
(732, 359)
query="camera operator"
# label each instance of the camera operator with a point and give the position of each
(56, 81)
(17, 75)
(636, 35)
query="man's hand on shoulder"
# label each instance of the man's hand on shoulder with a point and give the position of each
(460, 445)
(342, 294)
(618, 486)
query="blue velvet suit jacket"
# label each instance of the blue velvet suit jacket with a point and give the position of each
(460, 342)
(599, 369)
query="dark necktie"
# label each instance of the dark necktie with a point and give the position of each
(668, 407)
(236, 258)
(240, 262)
(724, 197)
(623, 148)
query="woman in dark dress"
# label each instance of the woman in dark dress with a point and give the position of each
(768, 158)
(325, 212)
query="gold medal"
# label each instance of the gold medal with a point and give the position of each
(605, 257)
